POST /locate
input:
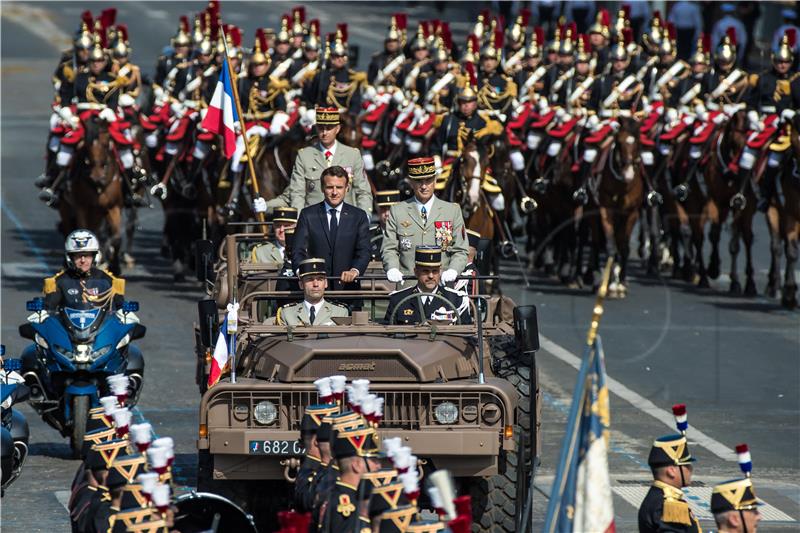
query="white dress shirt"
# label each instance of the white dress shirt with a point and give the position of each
(332, 149)
(317, 307)
(337, 210)
(428, 206)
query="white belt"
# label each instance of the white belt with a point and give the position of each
(768, 109)
(90, 105)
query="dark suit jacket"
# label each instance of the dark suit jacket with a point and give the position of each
(312, 238)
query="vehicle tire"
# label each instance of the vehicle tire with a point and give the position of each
(494, 499)
(80, 412)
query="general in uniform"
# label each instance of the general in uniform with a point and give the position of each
(423, 220)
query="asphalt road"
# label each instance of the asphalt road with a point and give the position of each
(734, 361)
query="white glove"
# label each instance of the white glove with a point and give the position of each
(126, 100)
(108, 115)
(260, 205)
(66, 114)
(787, 115)
(474, 190)
(394, 275)
(449, 275)
(237, 127)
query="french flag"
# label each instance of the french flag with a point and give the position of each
(221, 115)
(221, 358)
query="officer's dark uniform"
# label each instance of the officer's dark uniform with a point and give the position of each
(261, 96)
(164, 66)
(496, 91)
(76, 291)
(337, 87)
(64, 78)
(665, 508)
(189, 71)
(103, 88)
(380, 61)
(312, 465)
(453, 132)
(771, 93)
(444, 99)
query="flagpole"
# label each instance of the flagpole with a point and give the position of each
(242, 126)
(576, 410)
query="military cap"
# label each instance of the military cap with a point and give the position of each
(672, 450)
(734, 495)
(151, 526)
(425, 526)
(97, 421)
(397, 520)
(380, 477)
(473, 238)
(129, 466)
(132, 497)
(345, 421)
(284, 214)
(313, 415)
(311, 266)
(328, 116)
(387, 198)
(111, 449)
(428, 256)
(95, 437)
(94, 460)
(421, 168)
(387, 497)
(358, 442)
(115, 479)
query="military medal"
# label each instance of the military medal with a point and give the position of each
(405, 244)
(310, 185)
(444, 233)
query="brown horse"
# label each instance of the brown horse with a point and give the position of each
(783, 220)
(93, 199)
(723, 191)
(350, 131)
(620, 194)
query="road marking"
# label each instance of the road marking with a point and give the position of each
(25, 271)
(640, 402)
(37, 252)
(63, 498)
(37, 21)
(698, 498)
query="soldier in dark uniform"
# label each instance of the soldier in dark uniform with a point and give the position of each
(772, 93)
(312, 463)
(381, 60)
(428, 262)
(496, 90)
(91, 488)
(82, 285)
(599, 39)
(384, 200)
(665, 507)
(283, 46)
(437, 86)
(610, 93)
(531, 78)
(338, 85)
(166, 65)
(735, 506)
(356, 452)
(103, 519)
(418, 64)
(455, 127)
(559, 76)
(307, 65)
(202, 68)
(699, 82)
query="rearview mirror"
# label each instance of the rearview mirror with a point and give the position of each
(526, 327)
(483, 257)
(138, 332)
(26, 331)
(204, 259)
(208, 318)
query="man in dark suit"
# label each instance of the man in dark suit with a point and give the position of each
(335, 231)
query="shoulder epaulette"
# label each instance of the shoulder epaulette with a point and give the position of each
(676, 512)
(117, 284)
(50, 283)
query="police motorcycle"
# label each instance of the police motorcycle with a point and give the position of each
(14, 427)
(72, 353)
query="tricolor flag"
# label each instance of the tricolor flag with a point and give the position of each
(222, 351)
(221, 115)
(581, 499)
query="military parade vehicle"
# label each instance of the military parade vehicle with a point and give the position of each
(464, 397)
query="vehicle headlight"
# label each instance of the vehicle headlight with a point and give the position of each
(83, 353)
(97, 354)
(40, 341)
(491, 413)
(123, 341)
(265, 413)
(446, 413)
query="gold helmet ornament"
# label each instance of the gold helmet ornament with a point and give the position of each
(667, 47)
(233, 36)
(494, 47)
(702, 55)
(298, 21)
(98, 53)
(534, 48)
(471, 54)
(481, 25)
(567, 46)
(555, 44)
(283, 34)
(84, 39)
(420, 42)
(654, 34)
(623, 18)
(339, 45)
(470, 91)
(601, 23)
(313, 38)
(516, 34)
(726, 50)
(198, 35)
(394, 33)
(619, 52)
(121, 47)
(785, 51)
(182, 37)
(584, 49)
(258, 57)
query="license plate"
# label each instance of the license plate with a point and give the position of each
(276, 447)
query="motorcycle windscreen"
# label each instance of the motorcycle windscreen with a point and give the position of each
(82, 322)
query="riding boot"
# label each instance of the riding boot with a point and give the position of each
(51, 194)
(580, 196)
(133, 198)
(47, 178)
(766, 188)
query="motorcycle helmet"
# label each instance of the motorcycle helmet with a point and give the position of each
(81, 240)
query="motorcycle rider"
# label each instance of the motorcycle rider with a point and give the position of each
(82, 285)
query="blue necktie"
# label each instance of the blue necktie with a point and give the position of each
(334, 225)
(424, 213)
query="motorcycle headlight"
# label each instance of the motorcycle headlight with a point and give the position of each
(265, 413)
(40, 341)
(124, 341)
(97, 354)
(446, 413)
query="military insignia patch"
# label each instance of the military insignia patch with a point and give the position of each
(408, 312)
(310, 185)
(405, 223)
(444, 233)
(405, 244)
(345, 507)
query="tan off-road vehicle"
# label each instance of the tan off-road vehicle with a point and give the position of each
(458, 395)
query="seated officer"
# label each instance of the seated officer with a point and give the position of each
(665, 507)
(428, 269)
(82, 285)
(313, 310)
(274, 250)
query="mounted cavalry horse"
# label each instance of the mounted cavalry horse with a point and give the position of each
(94, 198)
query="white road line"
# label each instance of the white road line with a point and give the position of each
(63, 498)
(37, 21)
(640, 402)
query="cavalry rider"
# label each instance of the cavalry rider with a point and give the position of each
(496, 90)
(263, 100)
(167, 65)
(71, 63)
(599, 40)
(283, 47)
(437, 87)
(82, 285)
(338, 85)
(773, 94)
(419, 63)
(728, 82)
(384, 67)
(423, 220)
(307, 65)
(404, 309)
(530, 79)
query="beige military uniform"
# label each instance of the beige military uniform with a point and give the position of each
(304, 187)
(296, 314)
(267, 252)
(405, 231)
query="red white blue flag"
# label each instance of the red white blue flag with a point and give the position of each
(581, 499)
(221, 115)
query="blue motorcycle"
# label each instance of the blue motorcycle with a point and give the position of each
(14, 431)
(72, 354)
